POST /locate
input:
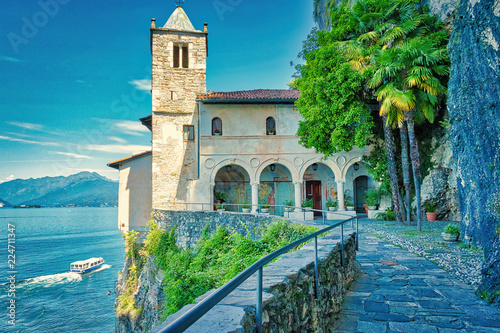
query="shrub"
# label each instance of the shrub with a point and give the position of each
(307, 203)
(452, 229)
(332, 203)
(289, 203)
(372, 197)
(217, 258)
(388, 215)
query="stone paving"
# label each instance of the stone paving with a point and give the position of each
(398, 291)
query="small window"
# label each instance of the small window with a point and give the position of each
(185, 57)
(216, 126)
(188, 133)
(270, 126)
(176, 56)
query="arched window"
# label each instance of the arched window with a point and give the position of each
(216, 126)
(270, 126)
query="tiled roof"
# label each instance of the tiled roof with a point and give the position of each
(259, 95)
(116, 164)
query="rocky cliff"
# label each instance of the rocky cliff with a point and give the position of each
(474, 108)
(147, 298)
(440, 185)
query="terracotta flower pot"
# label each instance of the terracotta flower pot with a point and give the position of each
(431, 216)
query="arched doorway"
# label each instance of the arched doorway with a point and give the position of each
(360, 187)
(276, 187)
(320, 186)
(232, 184)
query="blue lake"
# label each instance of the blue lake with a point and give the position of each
(47, 297)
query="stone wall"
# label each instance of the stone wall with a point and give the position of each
(289, 303)
(189, 225)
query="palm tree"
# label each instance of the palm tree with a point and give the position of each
(408, 81)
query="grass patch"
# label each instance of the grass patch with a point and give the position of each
(414, 233)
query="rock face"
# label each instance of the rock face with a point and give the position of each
(440, 185)
(148, 298)
(474, 108)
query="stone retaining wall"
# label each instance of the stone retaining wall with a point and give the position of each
(289, 303)
(190, 224)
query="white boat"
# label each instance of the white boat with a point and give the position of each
(85, 266)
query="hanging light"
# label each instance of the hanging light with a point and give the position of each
(314, 167)
(272, 167)
(356, 166)
(228, 168)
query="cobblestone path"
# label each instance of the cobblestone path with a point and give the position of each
(398, 291)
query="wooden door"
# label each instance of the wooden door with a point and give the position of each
(313, 190)
(360, 187)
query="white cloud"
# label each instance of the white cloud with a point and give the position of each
(30, 126)
(8, 138)
(127, 149)
(142, 84)
(8, 179)
(10, 59)
(131, 127)
(84, 83)
(71, 154)
(117, 139)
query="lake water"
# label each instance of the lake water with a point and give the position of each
(47, 297)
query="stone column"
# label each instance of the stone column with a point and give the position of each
(340, 194)
(298, 195)
(255, 197)
(212, 197)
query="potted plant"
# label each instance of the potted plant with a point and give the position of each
(430, 208)
(349, 204)
(221, 197)
(271, 131)
(307, 204)
(245, 208)
(221, 207)
(217, 131)
(332, 204)
(289, 205)
(372, 197)
(451, 233)
(264, 207)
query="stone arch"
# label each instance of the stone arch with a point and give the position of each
(320, 184)
(328, 162)
(289, 165)
(349, 163)
(231, 161)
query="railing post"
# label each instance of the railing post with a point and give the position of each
(357, 232)
(323, 213)
(258, 312)
(342, 244)
(316, 268)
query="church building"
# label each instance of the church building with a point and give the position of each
(239, 145)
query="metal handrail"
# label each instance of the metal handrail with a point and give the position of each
(195, 313)
(303, 209)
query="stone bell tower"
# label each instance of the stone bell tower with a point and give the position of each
(179, 53)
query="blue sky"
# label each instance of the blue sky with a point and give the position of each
(76, 73)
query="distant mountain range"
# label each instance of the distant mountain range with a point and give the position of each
(84, 189)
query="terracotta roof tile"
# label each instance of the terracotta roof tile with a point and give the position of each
(253, 95)
(116, 164)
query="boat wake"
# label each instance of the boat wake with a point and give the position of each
(48, 281)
